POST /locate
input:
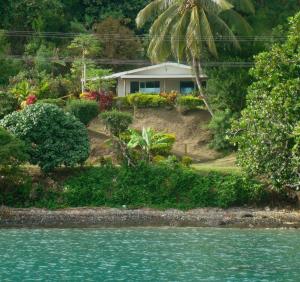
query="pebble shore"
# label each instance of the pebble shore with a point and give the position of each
(111, 217)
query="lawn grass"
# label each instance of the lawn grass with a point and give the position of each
(224, 165)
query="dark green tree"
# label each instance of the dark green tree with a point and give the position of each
(264, 132)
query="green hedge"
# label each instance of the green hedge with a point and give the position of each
(117, 122)
(122, 103)
(141, 100)
(58, 102)
(158, 186)
(84, 110)
(8, 104)
(189, 102)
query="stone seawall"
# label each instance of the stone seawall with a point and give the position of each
(106, 217)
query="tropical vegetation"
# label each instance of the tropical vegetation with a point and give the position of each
(54, 56)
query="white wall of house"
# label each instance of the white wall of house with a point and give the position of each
(168, 74)
(166, 85)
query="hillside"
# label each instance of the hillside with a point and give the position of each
(190, 129)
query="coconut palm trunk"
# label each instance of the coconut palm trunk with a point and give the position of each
(198, 71)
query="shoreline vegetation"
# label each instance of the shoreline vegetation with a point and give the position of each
(117, 218)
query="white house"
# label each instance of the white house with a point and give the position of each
(155, 79)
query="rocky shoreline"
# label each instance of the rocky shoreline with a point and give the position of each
(107, 217)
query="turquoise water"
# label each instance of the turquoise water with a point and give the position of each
(149, 254)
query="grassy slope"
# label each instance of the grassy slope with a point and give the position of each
(224, 165)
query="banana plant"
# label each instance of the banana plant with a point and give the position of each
(146, 141)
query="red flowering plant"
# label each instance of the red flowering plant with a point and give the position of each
(104, 98)
(31, 99)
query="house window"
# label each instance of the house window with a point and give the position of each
(187, 87)
(150, 87)
(134, 87)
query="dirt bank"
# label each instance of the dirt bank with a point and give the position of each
(190, 130)
(105, 217)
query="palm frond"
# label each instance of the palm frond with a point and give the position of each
(220, 28)
(245, 6)
(207, 34)
(235, 20)
(151, 10)
(178, 43)
(193, 34)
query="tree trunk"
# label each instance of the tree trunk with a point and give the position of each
(198, 70)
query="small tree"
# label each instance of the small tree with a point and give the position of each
(264, 132)
(84, 110)
(54, 138)
(116, 122)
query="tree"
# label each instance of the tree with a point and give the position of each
(264, 134)
(187, 28)
(118, 41)
(85, 45)
(54, 138)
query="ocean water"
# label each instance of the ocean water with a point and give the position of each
(149, 254)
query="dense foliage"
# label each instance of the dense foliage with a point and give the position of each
(12, 150)
(8, 104)
(85, 111)
(187, 103)
(145, 185)
(141, 100)
(158, 186)
(220, 126)
(54, 137)
(116, 122)
(264, 132)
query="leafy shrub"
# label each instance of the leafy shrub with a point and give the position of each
(186, 103)
(163, 149)
(158, 186)
(186, 161)
(264, 132)
(12, 150)
(122, 102)
(296, 153)
(219, 126)
(105, 99)
(171, 97)
(12, 181)
(147, 100)
(8, 104)
(58, 102)
(31, 99)
(55, 138)
(85, 111)
(116, 122)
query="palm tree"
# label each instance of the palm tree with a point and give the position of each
(187, 29)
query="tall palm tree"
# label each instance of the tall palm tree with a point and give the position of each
(187, 29)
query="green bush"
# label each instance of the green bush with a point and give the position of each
(116, 122)
(220, 126)
(84, 110)
(158, 186)
(8, 104)
(54, 138)
(186, 161)
(187, 103)
(122, 102)
(14, 185)
(264, 133)
(12, 150)
(165, 148)
(141, 100)
(58, 102)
